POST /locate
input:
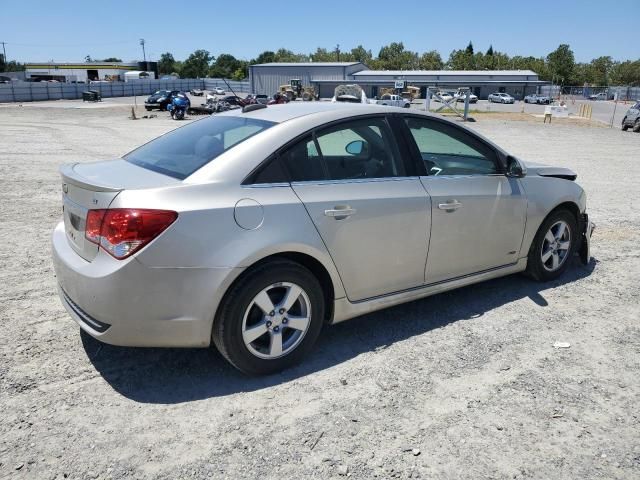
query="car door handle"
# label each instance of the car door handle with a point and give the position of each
(450, 206)
(340, 212)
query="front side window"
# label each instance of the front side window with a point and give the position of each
(181, 152)
(357, 149)
(447, 150)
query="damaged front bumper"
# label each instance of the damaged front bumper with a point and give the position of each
(587, 230)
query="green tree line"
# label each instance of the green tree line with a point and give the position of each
(558, 66)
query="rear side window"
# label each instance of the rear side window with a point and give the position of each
(183, 151)
(354, 149)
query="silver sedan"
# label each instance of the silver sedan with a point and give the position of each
(253, 228)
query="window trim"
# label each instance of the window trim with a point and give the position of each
(415, 150)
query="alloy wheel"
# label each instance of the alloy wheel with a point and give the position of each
(276, 320)
(556, 246)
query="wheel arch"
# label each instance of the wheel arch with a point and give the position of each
(326, 275)
(568, 205)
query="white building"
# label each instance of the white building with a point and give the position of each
(87, 71)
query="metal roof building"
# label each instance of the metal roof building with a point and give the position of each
(266, 78)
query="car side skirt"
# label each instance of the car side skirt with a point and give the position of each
(345, 310)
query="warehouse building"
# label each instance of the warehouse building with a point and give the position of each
(266, 78)
(324, 77)
(87, 71)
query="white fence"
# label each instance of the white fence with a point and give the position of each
(38, 91)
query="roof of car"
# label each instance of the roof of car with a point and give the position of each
(282, 113)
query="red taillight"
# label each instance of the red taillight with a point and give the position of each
(124, 231)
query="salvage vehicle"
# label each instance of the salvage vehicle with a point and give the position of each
(253, 228)
(538, 99)
(196, 92)
(161, 99)
(461, 96)
(352, 93)
(499, 97)
(442, 96)
(632, 118)
(394, 101)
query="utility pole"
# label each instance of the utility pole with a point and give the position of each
(4, 56)
(144, 55)
(338, 52)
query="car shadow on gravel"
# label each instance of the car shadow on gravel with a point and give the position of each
(171, 375)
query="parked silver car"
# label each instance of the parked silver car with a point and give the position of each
(253, 228)
(536, 98)
(632, 118)
(500, 98)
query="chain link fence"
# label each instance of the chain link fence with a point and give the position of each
(622, 93)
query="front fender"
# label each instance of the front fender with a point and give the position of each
(544, 194)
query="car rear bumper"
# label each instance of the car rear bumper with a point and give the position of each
(123, 302)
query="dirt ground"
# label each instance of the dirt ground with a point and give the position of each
(463, 385)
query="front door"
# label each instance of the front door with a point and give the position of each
(478, 213)
(373, 218)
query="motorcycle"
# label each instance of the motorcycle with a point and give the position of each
(178, 107)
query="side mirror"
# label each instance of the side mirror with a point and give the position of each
(356, 147)
(514, 168)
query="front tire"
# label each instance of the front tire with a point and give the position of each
(553, 246)
(270, 318)
(636, 126)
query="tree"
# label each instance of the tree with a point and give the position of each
(489, 51)
(323, 55)
(265, 57)
(599, 70)
(395, 57)
(111, 59)
(359, 54)
(11, 66)
(284, 55)
(625, 73)
(166, 64)
(196, 65)
(460, 60)
(561, 63)
(431, 60)
(88, 59)
(227, 66)
(469, 48)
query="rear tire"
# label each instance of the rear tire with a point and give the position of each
(636, 126)
(280, 345)
(553, 246)
(625, 127)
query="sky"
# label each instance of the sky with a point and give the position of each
(67, 30)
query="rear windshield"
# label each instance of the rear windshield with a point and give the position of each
(181, 152)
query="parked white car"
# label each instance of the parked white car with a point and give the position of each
(442, 97)
(394, 101)
(460, 96)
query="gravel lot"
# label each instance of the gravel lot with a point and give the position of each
(465, 384)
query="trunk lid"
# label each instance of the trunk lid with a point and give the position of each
(89, 186)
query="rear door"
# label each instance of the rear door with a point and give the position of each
(478, 213)
(372, 215)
